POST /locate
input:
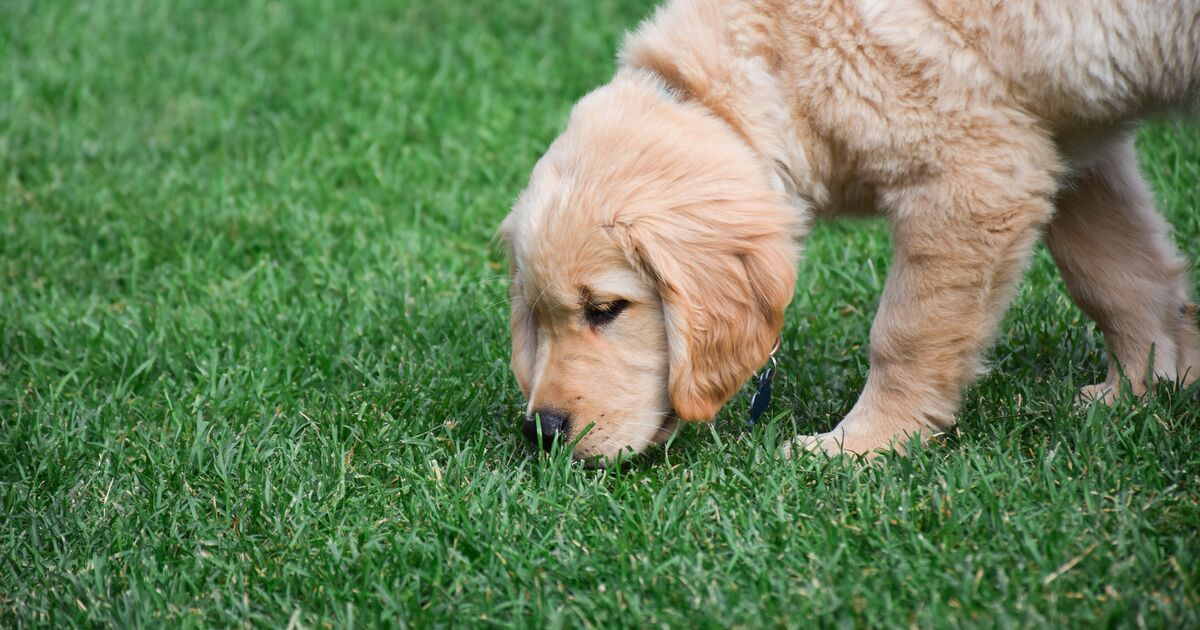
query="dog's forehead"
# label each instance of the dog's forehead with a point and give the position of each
(560, 224)
(547, 210)
(561, 256)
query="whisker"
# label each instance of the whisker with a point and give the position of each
(503, 302)
(484, 280)
(539, 297)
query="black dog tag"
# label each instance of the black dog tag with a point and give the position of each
(762, 396)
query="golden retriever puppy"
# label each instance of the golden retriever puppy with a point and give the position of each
(654, 250)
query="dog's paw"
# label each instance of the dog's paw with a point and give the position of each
(868, 434)
(834, 444)
(1100, 392)
(852, 441)
(823, 442)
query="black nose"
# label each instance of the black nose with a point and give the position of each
(553, 423)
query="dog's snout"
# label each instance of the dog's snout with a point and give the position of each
(551, 422)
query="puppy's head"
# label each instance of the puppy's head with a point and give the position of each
(651, 262)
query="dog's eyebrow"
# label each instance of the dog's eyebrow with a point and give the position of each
(589, 296)
(614, 285)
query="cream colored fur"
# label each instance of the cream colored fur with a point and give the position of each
(974, 126)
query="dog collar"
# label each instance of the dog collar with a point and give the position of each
(762, 394)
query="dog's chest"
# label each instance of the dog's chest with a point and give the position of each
(853, 198)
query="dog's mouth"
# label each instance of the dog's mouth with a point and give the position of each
(666, 428)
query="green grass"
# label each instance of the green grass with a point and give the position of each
(253, 363)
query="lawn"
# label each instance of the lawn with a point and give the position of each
(253, 363)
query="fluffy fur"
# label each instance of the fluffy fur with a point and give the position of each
(974, 126)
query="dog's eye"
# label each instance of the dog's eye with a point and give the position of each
(600, 314)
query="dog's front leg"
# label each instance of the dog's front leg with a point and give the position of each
(961, 246)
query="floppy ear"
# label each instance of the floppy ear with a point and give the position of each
(725, 272)
(521, 323)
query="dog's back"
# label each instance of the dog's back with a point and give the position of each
(874, 76)
(1070, 62)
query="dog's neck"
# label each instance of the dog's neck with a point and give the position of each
(741, 87)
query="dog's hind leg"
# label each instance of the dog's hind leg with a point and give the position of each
(1116, 257)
